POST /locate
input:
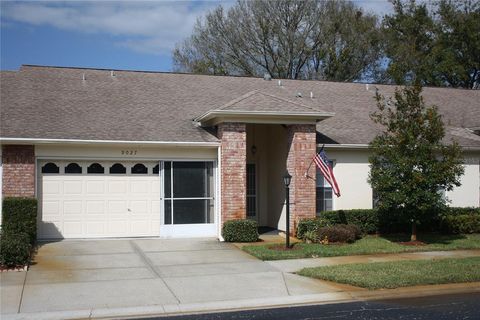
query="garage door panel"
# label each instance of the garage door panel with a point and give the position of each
(51, 187)
(95, 207)
(117, 187)
(95, 187)
(98, 205)
(73, 187)
(95, 228)
(73, 207)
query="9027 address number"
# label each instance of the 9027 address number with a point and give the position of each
(129, 152)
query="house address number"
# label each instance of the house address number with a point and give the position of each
(129, 152)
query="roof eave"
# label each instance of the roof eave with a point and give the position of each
(214, 117)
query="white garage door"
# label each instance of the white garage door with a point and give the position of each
(95, 199)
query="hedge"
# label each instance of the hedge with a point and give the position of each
(342, 233)
(451, 220)
(240, 231)
(19, 231)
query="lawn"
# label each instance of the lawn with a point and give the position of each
(367, 245)
(399, 273)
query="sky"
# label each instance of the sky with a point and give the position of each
(120, 35)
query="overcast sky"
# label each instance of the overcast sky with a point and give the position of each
(138, 35)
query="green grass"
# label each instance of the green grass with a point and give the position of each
(397, 274)
(367, 245)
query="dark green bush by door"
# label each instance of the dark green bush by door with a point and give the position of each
(240, 231)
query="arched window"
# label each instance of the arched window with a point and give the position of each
(118, 168)
(95, 168)
(50, 168)
(139, 169)
(156, 169)
(73, 168)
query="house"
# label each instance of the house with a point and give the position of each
(129, 154)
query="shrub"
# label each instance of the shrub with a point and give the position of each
(461, 223)
(15, 248)
(337, 233)
(309, 226)
(355, 230)
(240, 231)
(19, 215)
(368, 220)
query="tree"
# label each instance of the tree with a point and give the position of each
(457, 53)
(437, 45)
(333, 40)
(409, 162)
(408, 43)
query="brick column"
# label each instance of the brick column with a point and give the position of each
(301, 149)
(234, 176)
(18, 171)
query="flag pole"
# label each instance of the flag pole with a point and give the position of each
(308, 170)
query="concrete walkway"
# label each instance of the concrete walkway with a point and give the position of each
(138, 277)
(89, 276)
(295, 265)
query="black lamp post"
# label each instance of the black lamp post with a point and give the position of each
(287, 178)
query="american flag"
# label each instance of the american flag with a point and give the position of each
(323, 164)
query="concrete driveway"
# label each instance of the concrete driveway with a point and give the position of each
(141, 273)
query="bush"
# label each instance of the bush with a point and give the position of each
(337, 233)
(368, 220)
(461, 223)
(15, 248)
(240, 231)
(309, 227)
(19, 215)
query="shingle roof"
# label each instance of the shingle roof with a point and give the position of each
(55, 103)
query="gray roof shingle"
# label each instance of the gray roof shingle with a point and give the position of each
(55, 103)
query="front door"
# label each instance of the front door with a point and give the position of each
(252, 192)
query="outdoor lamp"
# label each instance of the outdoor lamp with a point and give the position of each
(286, 179)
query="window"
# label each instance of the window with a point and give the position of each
(324, 193)
(156, 169)
(50, 168)
(118, 168)
(95, 168)
(188, 189)
(139, 169)
(73, 168)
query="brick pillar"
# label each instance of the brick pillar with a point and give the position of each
(301, 149)
(234, 176)
(18, 171)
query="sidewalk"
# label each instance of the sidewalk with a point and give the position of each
(294, 265)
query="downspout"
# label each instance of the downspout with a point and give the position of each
(219, 193)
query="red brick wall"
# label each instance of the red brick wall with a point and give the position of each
(234, 176)
(18, 171)
(301, 149)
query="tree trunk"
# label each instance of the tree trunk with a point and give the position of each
(413, 237)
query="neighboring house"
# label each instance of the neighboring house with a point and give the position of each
(127, 154)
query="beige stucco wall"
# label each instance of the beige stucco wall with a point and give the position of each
(125, 152)
(352, 168)
(468, 194)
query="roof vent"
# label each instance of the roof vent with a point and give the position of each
(298, 94)
(267, 76)
(311, 94)
(366, 86)
(112, 73)
(83, 77)
(280, 83)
